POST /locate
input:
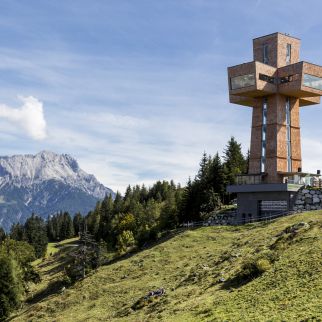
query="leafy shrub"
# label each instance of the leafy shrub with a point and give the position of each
(256, 265)
(263, 265)
(125, 241)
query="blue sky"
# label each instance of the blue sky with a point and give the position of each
(136, 90)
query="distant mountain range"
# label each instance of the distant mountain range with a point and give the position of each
(45, 183)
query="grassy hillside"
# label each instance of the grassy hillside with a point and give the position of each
(257, 272)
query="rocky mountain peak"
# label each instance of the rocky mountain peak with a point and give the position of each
(44, 183)
(27, 169)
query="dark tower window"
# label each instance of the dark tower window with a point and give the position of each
(265, 54)
(288, 54)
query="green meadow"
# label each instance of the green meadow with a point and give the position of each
(257, 272)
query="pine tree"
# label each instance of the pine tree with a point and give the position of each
(106, 217)
(78, 222)
(169, 213)
(189, 207)
(17, 232)
(203, 172)
(234, 161)
(216, 175)
(143, 194)
(50, 229)
(36, 234)
(11, 287)
(93, 219)
(119, 203)
(2, 234)
(68, 226)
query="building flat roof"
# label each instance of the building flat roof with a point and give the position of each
(263, 187)
(275, 33)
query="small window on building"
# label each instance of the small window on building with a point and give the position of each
(288, 54)
(266, 78)
(265, 54)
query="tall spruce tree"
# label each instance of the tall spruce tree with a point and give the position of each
(119, 203)
(11, 287)
(169, 213)
(78, 223)
(106, 217)
(36, 234)
(216, 175)
(2, 234)
(17, 232)
(93, 219)
(235, 162)
(67, 230)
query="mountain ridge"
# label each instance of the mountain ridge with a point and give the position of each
(45, 183)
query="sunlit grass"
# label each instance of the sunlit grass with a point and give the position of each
(53, 248)
(202, 273)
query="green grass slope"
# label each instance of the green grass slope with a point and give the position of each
(258, 272)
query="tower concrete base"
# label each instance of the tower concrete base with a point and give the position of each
(255, 202)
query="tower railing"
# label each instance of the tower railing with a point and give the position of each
(249, 179)
(295, 179)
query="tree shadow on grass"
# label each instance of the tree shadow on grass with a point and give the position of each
(56, 262)
(53, 288)
(147, 246)
(235, 283)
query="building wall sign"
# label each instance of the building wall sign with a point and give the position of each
(273, 206)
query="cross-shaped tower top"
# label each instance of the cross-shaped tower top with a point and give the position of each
(276, 84)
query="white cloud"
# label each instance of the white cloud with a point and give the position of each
(115, 120)
(30, 117)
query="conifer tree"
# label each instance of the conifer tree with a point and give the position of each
(36, 234)
(118, 203)
(143, 194)
(234, 161)
(189, 208)
(17, 232)
(106, 216)
(78, 222)
(216, 175)
(93, 219)
(11, 287)
(169, 213)
(203, 168)
(68, 231)
(2, 234)
(128, 193)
